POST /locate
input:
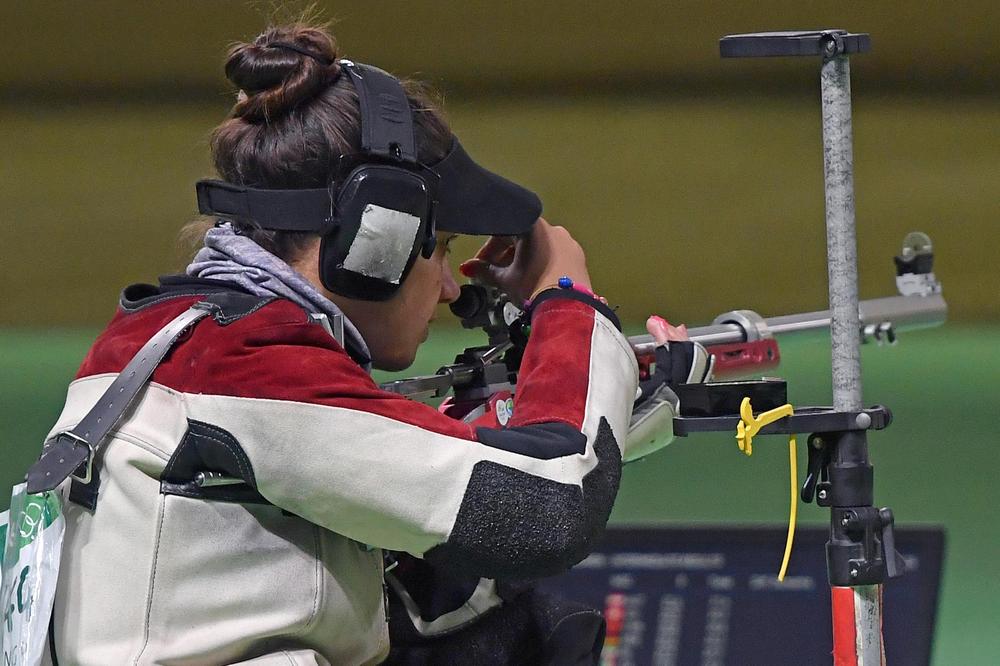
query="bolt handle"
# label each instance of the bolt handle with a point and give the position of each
(826, 43)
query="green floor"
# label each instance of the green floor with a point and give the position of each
(936, 464)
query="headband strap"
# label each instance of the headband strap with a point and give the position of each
(288, 46)
(279, 210)
(386, 119)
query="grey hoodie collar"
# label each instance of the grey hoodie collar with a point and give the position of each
(230, 257)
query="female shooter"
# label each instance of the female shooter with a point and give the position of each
(239, 511)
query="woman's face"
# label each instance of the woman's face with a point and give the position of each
(395, 328)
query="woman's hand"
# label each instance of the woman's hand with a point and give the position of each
(663, 331)
(523, 266)
(678, 359)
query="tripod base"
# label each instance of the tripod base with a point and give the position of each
(857, 626)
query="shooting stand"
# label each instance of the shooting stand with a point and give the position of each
(861, 551)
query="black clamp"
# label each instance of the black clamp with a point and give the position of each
(863, 550)
(804, 419)
(833, 484)
(862, 546)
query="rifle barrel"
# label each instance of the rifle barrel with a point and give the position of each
(903, 312)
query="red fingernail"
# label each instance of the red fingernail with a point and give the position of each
(661, 320)
(467, 268)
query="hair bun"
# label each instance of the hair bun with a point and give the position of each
(280, 69)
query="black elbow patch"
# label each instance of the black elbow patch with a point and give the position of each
(542, 440)
(515, 525)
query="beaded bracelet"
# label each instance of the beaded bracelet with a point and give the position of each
(565, 282)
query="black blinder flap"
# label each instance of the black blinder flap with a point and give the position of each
(473, 200)
(383, 215)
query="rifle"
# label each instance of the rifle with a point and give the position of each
(742, 341)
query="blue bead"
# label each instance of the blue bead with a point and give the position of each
(565, 282)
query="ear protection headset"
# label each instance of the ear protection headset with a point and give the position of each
(387, 210)
(380, 217)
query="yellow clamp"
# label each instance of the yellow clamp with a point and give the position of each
(750, 425)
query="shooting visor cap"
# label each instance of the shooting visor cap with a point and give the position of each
(473, 200)
(468, 199)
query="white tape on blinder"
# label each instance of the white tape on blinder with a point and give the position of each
(383, 244)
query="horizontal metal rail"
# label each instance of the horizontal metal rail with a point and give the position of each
(902, 312)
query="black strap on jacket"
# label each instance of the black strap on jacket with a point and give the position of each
(73, 452)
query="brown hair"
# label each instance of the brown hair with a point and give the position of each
(294, 119)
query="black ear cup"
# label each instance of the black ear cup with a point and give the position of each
(382, 214)
(383, 221)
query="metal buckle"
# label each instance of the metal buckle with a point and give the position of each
(88, 463)
(334, 326)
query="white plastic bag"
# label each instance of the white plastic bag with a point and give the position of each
(29, 565)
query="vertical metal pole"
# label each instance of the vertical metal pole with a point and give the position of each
(842, 266)
(841, 242)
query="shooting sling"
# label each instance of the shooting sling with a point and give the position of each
(73, 452)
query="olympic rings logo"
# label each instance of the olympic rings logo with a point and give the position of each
(32, 519)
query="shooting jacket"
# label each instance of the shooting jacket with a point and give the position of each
(286, 566)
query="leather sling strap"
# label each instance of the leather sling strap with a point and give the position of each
(72, 452)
